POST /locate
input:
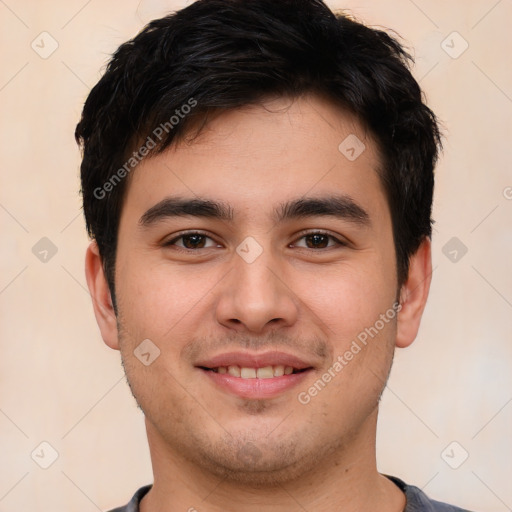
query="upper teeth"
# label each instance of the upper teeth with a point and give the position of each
(267, 372)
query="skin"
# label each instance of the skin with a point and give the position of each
(212, 450)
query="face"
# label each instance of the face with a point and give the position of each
(258, 260)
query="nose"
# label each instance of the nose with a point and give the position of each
(255, 296)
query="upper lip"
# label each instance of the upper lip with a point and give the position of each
(248, 360)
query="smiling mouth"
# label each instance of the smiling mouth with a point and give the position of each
(265, 372)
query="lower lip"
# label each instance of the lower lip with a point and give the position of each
(256, 388)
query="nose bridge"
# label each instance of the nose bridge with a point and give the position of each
(255, 281)
(254, 294)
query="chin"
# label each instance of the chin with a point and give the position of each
(258, 464)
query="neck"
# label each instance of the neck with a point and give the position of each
(347, 480)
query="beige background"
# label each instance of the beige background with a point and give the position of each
(60, 384)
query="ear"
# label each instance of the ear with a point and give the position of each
(100, 294)
(413, 295)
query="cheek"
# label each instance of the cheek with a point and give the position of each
(155, 298)
(351, 297)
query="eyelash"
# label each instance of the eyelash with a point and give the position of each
(302, 235)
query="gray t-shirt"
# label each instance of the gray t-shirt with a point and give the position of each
(417, 500)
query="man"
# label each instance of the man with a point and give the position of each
(257, 178)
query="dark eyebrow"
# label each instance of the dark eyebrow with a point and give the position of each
(179, 207)
(340, 206)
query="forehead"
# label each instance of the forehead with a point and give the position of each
(258, 155)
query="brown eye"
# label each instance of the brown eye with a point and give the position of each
(318, 241)
(191, 241)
